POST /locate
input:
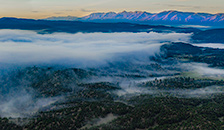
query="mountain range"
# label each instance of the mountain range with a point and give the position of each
(52, 26)
(166, 17)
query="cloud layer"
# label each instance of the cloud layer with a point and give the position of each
(211, 45)
(21, 49)
(26, 47)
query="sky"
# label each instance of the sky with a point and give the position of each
(47, 8)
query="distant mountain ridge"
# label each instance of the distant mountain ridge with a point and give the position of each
(165, 17)
(48, 26)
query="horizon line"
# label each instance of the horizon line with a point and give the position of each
(117, 12)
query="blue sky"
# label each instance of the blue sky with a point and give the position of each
(46, 8)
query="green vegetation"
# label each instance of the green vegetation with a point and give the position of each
(182, 83)
(162, 113)
(86, 103)
(6, 125)
(180, 51)
(138, 112)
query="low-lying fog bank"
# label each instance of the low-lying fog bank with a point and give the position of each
(31, 65)
(210, 45)
(79, 50)
(206, 92)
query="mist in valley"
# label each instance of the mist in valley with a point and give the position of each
(122, 59)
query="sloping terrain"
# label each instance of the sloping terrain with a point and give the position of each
(177, 102)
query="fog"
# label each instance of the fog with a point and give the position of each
(99, 121)
(193, 69)
(197, 26)
(203, 70)
(206, 92)
(27, 47)
(109, 51)
(121, 58)
(210, 45)
(21, 103)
